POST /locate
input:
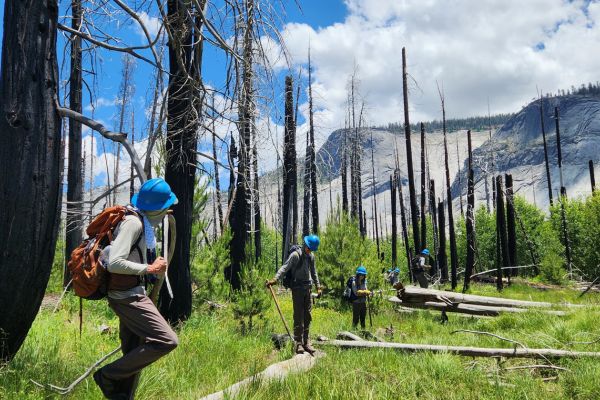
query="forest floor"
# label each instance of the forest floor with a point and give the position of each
(213, 354)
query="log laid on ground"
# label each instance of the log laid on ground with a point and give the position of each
(463, 351)
(344, 335)
(420, 295)
(466, 308)
(298, 363)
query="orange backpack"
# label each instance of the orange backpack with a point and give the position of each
(90, 277)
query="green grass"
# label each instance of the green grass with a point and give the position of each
(213, 354)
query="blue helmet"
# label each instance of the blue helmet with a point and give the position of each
(155, 194)
(312, 242)
(397, 270)
(425, 252)
(361, 270)
(389, 270)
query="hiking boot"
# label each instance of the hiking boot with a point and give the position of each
(309, 349)
(108, 387)
(298, 348)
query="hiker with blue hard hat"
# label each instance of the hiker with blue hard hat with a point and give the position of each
(421, 266)
(301, 271)
(360, 294)
(145, 335)
(394, 276)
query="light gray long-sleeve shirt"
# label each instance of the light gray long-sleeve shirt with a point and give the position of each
(304, 274)
(124, 258)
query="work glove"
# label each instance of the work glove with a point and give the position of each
(319, 292)
(271, 282)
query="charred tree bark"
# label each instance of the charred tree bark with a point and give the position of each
(592, 177)
(216, 167)
(373, 186)
(344, 173)
(74, 175)
(289, 163)
(563, 196)
(404, 224)
(434, 221)
(441, 256)
(511, 225)
(470, 218)
(256, 198)
(307, 188)
(31, 164)
(394, 229)
(548, 178)
(502, 240)
(184, 106)
(423, 190)
(233, 155)
(460, 199)
(314, 201)
(453, 254)
(414, 215)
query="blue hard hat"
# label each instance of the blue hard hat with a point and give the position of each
(425, 251)
(397, 270)
(361, 270)
(155, 194)
(312, 242)
(390, 270)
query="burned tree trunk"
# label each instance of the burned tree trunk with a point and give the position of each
(373, 186)
(548, 179)
(460, 199)
(470, 219)
(511, 225)
(414, 215)
(184, 106)
(592, 178)
(453, 254)
(74, 175)
(289, 165)
(31, 164)
(404, 224)
(344, 173)
(434, 221)
(313, 160)
(441, 256)
(256, 197)
(233, 155)
(501, 236)
(563, 196)
(394, 229)
(216, 167)
(307, 188)
(423, 190)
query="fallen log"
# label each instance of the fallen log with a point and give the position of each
(344, 335)
(298, 363)
(420, 295)
(471, 309)
(462, 351)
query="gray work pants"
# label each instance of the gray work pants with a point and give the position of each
(302, 308)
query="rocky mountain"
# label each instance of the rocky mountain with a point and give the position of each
(517, 148)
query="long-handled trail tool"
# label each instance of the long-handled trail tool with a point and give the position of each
(280, 313)
(369, 310)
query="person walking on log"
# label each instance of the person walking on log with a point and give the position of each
(304, 274)
(132, 255)
(360, 292)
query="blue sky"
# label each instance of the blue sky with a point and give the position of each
(500, 52)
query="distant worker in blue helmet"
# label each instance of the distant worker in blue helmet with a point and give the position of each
(299, 274)
(420, 267)
(359, 296)
(394, 276)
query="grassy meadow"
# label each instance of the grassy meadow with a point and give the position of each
(213, 353)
